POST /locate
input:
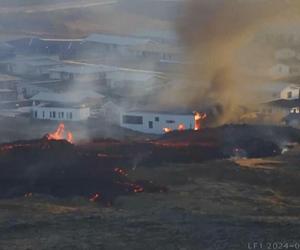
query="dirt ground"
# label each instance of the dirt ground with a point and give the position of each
(225, 204)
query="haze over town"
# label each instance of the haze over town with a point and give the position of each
(159, 112)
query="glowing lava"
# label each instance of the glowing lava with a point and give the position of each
(198, 118)
(61, 134)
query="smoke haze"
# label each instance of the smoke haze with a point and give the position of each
(215, 34)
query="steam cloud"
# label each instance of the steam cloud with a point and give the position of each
(215, 32)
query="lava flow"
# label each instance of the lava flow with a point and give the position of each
(61, 134)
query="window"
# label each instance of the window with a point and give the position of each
(71, 115)
(54, 114)
(62, 115)
(150, 124)
(131, 119)
(157, 119)
(289, 94)
(35, 114)
(170, 121)
(43, 114)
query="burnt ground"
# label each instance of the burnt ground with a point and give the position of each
(201, 211)
(211, 204)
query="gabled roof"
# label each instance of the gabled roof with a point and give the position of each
(117, 39)
(82, 69)
(283, 103)
(71, 97)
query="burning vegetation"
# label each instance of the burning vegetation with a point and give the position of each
(61, 134)
(54, 166)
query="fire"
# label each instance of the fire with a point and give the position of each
(121, 171)
(61, 134)
(167, 130)
(95, 197)
(198, 118)
(181, 127)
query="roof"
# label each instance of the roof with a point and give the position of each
(34, 60)
(159, 48)
(8, 78)
(117, 39)
(7, 90)
(162, 112)
(291, 86)
(282, 103)
(5, 46)
(61, 40)
(82, 69)
(60, 105)
(71, 97)
(132, 76)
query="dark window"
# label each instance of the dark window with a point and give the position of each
(50, 114)
(150, 124)
(43, 114)
(35, 114)
(131, 119)
(54, 114)
(71, 115)
(289, 94)
(157, 119)
(170, 121)
(62, 115)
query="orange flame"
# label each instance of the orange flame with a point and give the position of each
(167, 130)
(95, 197)
(198, 117)
(60, 134)
(181, 127)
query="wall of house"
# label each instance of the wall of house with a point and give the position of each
(155, 123)
(60, 114)
(280, 70)
(290, 93)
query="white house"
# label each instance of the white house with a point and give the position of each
(63, 106)
(130, 82)
(30, 66)
(290, 92)
(119, 44)
(285, 54)
(156, 122)
(280, 70)
(80, 72)
(60, 113)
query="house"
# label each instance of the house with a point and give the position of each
(285, 70)
(73, 106)
(285, 54)
(279, 108)
(6, 51)
(293, 118)
(8, 82)
(290, 92)
(8, 95)
(280, 70)
(113, 44)
(130, 82)
(30, 66)
(152, 122)
(79, 72)
(60, 112)
(157, 52)
(48, 46)
(8, 88)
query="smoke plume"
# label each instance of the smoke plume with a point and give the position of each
(215, 34)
